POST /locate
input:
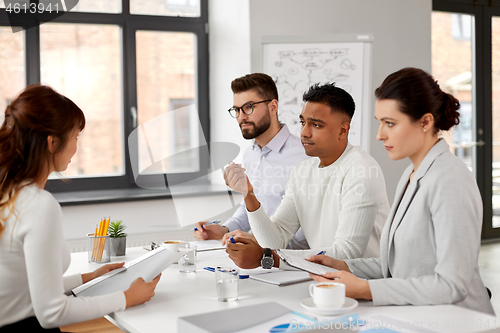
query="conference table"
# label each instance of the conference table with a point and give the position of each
(185, 294)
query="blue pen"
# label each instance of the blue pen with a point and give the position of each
(212, 222)
(231, 238)
(320, 253)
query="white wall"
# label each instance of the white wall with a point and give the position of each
(402, 38)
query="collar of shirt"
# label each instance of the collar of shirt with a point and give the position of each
(276, 142)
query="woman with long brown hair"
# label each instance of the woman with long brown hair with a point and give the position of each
(38, 137)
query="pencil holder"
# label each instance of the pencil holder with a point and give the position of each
(98, 248)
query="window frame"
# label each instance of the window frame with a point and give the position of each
(482, 11)
(129, 24)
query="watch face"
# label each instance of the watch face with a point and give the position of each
(267, 262)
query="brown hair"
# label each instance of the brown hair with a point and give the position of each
(417, 93)
(262, 83)
(30, 118)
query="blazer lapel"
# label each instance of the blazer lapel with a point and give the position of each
(398, 212)
(384, 237)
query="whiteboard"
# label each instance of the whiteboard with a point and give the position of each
(296, 63)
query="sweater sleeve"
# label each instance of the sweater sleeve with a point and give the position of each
(71, 282)
(44, 249)
(360, 201)
(277, 231)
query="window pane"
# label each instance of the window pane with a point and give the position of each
(90, 6)
(452, 68)
(98, 6)
(83, 62)
(166, 7)
(495, 74)
(166, 81)
(20, 2)
(12, 71)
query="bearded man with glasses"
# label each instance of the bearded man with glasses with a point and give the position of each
(268, 162)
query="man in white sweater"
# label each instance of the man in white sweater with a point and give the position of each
(338, 197)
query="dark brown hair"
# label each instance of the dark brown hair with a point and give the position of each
(262, 83)
(417, 93)
(36, 113)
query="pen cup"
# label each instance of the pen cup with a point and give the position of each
(187, 263)
(226, 280)
(98, 248)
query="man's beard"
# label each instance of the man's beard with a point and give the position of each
(257, 129)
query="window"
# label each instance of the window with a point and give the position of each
(82, 62)
(12, 72)
(125, 63)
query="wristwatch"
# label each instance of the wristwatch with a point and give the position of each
(267, 261)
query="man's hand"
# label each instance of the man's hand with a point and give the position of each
(211, 231)
(236, 178)
(239, 233)
(246, 253)
(354, 286)
(100, 271)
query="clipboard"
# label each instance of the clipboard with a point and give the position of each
(147, 266)
(303, 264)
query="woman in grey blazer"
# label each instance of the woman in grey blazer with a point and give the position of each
(430, 243)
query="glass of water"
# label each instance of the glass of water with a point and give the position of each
(187, 263)
(226, 280)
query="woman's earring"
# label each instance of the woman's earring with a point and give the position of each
(425, 130)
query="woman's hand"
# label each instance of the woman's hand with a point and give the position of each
(354, 286)
(140, 291)
(101, 271)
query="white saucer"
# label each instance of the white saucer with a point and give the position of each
(308, 304)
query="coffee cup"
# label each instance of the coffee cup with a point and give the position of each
(173, 245)
(328, 294)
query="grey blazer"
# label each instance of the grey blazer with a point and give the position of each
(430, 244)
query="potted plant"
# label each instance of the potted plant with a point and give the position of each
(117, 237)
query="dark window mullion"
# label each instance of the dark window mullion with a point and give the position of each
(130, 91)
(32, 44)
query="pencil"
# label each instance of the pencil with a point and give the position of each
(97, 241)
(104, 234)
(94, 243)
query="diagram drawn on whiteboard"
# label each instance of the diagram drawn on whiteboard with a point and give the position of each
(296, 66)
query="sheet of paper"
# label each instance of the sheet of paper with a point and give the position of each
(305, 265)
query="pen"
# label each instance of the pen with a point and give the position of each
(231, 238)
(320, 253)
(212, 222)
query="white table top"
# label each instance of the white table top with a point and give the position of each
(183, 294)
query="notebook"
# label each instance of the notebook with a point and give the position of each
(147, 266)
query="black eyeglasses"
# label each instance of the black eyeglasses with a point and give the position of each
(246, 108)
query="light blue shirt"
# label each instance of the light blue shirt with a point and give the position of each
(268, 169)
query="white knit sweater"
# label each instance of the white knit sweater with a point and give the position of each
(341, 208)
(33, 258)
